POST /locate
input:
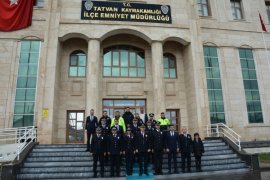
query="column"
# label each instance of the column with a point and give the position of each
(92, 82)
(158, 80)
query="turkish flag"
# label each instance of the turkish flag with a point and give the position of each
(262, 24)
(15, 14)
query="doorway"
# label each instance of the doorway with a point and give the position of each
(75, 127)
(174, 116)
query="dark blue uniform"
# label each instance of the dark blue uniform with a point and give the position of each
(105, 131)
(198, 150)
(120, 130)
(172, 143)
(98, 149)
(129, 149)
(158, 146)
(134, 129)
(90, 125)
(108, 120)
(114, 147)
(186, 146)
(143, 144)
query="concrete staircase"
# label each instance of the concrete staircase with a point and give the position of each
(72, 162)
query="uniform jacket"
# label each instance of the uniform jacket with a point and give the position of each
(128, 117)
(198, 148)
(128, 143)
(105, 131)
(171, 142)
(114, 144)
(108, 120)
(91, 125)
(121, 123)
(120, 130)
(186, 144)
(98, 144)
(143, 143)
(158, 140)
(134, 129)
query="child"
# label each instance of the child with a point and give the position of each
(198, 150)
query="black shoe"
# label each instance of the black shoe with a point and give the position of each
(176, 172)
(183, 171)
(86, 150)
(189, 171)
(169, 172)
(102, 175)
(95, 176)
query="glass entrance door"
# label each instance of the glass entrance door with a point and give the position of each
(174, 116)
(135, 105)
(75, 127)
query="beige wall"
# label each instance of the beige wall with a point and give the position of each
(61, 31)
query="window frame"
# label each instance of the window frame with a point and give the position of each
(267, 6)
(202, 5)
(234, 9)
(117, 49)
(170, 57)
(77, 54)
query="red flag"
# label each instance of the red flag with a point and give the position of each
(15, 14)
(262, 23)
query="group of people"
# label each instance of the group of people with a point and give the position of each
(144, 140)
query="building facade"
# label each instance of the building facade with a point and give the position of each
(208, 65)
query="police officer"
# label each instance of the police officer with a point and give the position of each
(105, 131)
(172, 147)
(114, 150)
(186, 146)
(158, 147)
(99, 150)
(143, 147)
(120, 119)
(129, 150)
(164, 122)
(119, 128)
(149, 130)
(106, 117)
(151, 118)
(135, 127)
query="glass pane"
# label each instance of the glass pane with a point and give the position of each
(25, 46)
(132, 72)
(73, 71)
(23, 69)
(21, 82)
(124, 71)
(124, 58)
(108, 102)
(140, 61)
(141, 72)
(213, 51)
(82, 60)
(17, 120)
(107, 71)
(29, 107)
(257, 106)
(219, 107)
(73, 60)
(205, 10)
(124, 103)
(220, 117)
(213, 83)
(251, 117)
(31, 82)
(24, 58)
(115, 58)
(218, 95)
(172, 63)
(165, 62)
(19, 108)
(172, 73)
(166, 73)
(20, 94)
(72, 116)
(33, 58)
(248, 94)
(35, 45)
(252, 74)
(242, 53)
(79, 125)
(140, 102)
(81, 71)
(244, 63)
(107, 59)
(80, 134)
(211, 95)
(115, 71)
(249, 54)
(255, 95)
(30, 94)
(32, 70)
(28, 120)
(259, 117)
(251, 64)
(79, 116)
(132, 60)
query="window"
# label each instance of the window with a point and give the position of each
(251, 86)
(39, 3)
(26, 84)
(203, 8)
(169, 66)
(75, 127)
(123, 61)
(236, 9)
(77, 64)
(267, 4)
(214, 86)
(174, 117)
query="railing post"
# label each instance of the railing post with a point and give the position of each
(217, 130)
(239, 143)
(207, 133)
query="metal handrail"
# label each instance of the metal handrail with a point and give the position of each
(21, 137)
(222, 130)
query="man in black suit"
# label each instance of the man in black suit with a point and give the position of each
(186, 146)
(99, 150)
(128, 117)
(149, 129)
(143, 147)
(90, 127)
(135, 126)
(158, 147)
(114, 145)
(106, 117)
(172, 147)
(105, 131)
(129, 150)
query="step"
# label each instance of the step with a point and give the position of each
(60, 175)
(63, 170)
(215, 144)
(59, 159)
(213, 141)
(59, 154)
(216, 148)
(58, 150)
(61, 146)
